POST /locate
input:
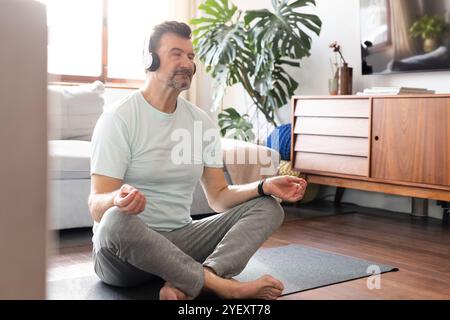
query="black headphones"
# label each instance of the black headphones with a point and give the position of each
(151, 60)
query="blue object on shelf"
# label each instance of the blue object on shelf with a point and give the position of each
(280, 140)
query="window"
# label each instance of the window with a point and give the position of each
(377, 25)
(100, 39)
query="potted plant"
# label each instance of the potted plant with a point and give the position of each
(253, 48)
(430, 29)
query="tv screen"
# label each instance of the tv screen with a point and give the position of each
(404, 35)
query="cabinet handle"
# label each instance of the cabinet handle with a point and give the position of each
(376, 138)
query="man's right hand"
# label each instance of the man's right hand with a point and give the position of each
(130, 200)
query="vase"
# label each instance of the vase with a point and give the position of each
(333, 86)
(345, 80)
(430, 44)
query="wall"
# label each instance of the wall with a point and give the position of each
(23, 145)
(341, 23)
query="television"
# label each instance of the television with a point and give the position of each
(404, 36)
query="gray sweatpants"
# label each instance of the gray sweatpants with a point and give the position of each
(127, 252)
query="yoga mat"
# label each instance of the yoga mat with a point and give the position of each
(302, 268)
(299, 268)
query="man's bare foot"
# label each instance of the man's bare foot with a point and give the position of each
(169, 292)
(266, 287)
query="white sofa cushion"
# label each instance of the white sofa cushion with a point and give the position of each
(68, 204)
(74, 111)
(247, 162)
(69, 159)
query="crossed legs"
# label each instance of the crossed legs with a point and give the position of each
(205, 254)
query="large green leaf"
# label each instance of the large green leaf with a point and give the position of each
(252, 47)
(282, 30)
(233, 125)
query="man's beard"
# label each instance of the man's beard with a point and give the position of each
(180, 83)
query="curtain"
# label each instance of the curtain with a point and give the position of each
(403, 15)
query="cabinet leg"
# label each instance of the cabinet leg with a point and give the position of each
(338, 196)
(419, 207)
(446, 207)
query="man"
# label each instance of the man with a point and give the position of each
(141, 193)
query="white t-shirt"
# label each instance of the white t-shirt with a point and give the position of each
(161, 154)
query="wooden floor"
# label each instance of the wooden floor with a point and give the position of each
(419, 248)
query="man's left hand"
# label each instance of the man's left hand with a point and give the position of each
(287, 188)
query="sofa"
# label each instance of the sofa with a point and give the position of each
(72, 115)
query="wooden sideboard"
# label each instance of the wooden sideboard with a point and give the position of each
(392, 144)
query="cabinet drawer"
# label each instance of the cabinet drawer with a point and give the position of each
(357, 108)
(333, 145)
(305, 161)
(332, 126)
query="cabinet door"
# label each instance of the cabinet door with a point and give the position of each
(410, 140)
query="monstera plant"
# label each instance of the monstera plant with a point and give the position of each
(253, 48)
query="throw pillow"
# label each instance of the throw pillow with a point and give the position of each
(73, 111)
(280, 140)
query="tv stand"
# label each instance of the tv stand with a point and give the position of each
(393, 144)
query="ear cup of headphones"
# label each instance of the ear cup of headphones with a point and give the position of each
(154, 62)
(147, 60)
(151, 62)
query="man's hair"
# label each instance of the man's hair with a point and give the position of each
(179, 28)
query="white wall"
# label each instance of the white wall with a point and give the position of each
(340, 22)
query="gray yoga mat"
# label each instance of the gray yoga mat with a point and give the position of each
(91, 288)
(300, 268)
